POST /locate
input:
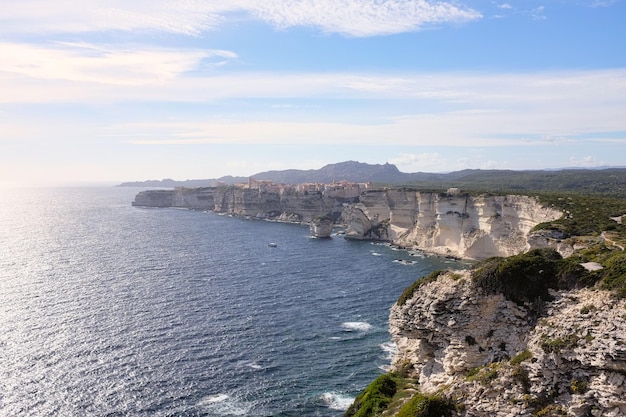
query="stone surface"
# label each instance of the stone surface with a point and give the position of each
(577, 347)
(321, 227)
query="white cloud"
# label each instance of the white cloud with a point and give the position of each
(193, 17)
(424, 162)
(449, 109)
(362, 18)
(101, 64)
(505, 6)
(538, 13)
(585, 162)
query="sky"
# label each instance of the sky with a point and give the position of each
(106, 91)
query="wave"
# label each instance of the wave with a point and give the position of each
(389, 349)
(336, 401)
(360, 326)
(223, 405)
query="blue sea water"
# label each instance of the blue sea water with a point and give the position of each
(113, 310)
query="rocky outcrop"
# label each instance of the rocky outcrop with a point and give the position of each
(360, 226)
(321, 226)
(495, 357)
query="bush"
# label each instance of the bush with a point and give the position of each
(614, 274)
(521, 278)
(374, 399)
(426, 406)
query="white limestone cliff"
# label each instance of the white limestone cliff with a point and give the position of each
(461, 226)
(472, 227)
(459, 341)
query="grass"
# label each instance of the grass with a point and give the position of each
(426, 406)
(374, 399)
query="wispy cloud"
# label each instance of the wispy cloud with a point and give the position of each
(82, 62)
(358, 18)
(538, 13)
(603, 3)
(363, 17)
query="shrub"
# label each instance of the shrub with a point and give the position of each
(521, 278)
(374, 399)
(578, 387)
(426, 406)
(614, 274)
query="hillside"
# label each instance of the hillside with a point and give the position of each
(609, 181)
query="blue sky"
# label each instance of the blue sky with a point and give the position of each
(111, 91)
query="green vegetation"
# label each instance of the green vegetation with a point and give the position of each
(551, 410)
(521, 278)
(607, 182)
(426, 406)
(578, 387)
(585, 215)
(558, 344)
(614, 274)
(394, 394)
(408, 292)
(484, 374)
(526, 278)
(374, 399)
(521, 357)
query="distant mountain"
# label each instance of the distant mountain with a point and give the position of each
(349, 171)
(609, 181)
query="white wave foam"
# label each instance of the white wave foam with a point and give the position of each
(376, 254)
(223, 405)
(389, 349)
(336, 401)
(360, 326)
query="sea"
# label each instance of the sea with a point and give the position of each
(112, 310)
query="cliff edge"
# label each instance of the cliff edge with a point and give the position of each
(462, 226)
(529, 335)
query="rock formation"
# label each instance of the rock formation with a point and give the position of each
(452, 225)
(495, 357)
(321, 226)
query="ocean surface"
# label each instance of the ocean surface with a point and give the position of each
(113, 310)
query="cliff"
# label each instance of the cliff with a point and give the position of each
(492, 356)
(452, 225)
(461, 226)
(257, 203)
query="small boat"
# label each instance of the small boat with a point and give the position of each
(272, 245)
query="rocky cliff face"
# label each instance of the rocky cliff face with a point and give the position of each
(461, 226)
(296, 207)
(495, 357)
